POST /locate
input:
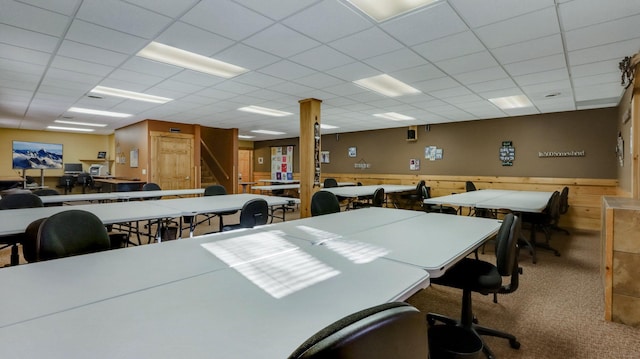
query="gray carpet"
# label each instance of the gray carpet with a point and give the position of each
(558, 310)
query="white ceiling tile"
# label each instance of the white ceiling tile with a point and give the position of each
(514, 91)
(247, 57)
(236, 87)
(545, 46)
(123, 17)
(480, 13)
(28, 39)
(542, 64)
(191, 38)
(548, 88)
(541, 77)
(286, 70)
(396, 61)
(577, 14)
(135, 77)
(197, 78)
(319, 81)
(32, 18)
(450, 92)
(281, 41)
(353, 71)
(322, 58)
(278, 9)
(430, 23)
(24, 55)
(344, 21)
(436, 84)
(19, 67)
(466, 63)
(492, 85)
(531, 26)
(614, 51)
(65, 7)
(70, 64)
(448, 47)
(366, 44)
(150, 67)
(91, 54)
(608, 78)
(595, 68)
(221, 17)
(483, 75)
(168, 8)
(604, 33)
(93, 35)
(598, 91)
(418, 73)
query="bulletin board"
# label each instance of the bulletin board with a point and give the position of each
(282, 163)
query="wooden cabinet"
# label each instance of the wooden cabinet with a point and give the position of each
(620, 263)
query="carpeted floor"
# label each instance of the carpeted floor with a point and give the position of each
(557, 312)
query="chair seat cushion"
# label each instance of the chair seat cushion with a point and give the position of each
(476, 275)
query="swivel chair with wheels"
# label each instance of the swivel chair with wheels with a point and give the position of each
(324, 202)
(17, 201)
(67, 183)
(218, 190)
(85, 181)
(253, 213)
(65, 234)
(544, 221)
(474, 275)
(391, 330)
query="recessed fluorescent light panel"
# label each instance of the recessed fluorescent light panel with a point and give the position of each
(394, 116)
(89, 111)
(245, 137)
(81, 123)
(381, 10)
(189, 60)
(511, 102)
(267, 132)
(327, 127)
(386, 85)
(70, 129)
(109, 91)
(264, 111)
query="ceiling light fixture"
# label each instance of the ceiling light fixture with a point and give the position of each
(386, 85)
(264, 111)
(381, 10)
(81, 123)
(189, 60)
(327, 127)
(70, 129)
(89, 111)
(394, 116)
(245, 137)
(267, 132)
(510, 102)
(110, 91)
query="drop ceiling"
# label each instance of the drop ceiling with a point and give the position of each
(563, 55)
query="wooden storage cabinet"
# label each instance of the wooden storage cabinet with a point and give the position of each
(620, 264)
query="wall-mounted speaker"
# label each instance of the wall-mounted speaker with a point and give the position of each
(411, 135)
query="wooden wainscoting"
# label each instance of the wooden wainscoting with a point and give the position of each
(585, 194)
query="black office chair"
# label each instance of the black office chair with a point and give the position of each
(253, 213)
(375, 200)
(65, 234)
(85, 181)
(414, 197)
(563, 208)
(469, 186)
(150, 186)
(391, 330)
(67, 182)
(473, 275)
(544, 222)
(217, 190)
(435, 208)
(330, 182)
(17, 201)
(324, 202)
(48, 192)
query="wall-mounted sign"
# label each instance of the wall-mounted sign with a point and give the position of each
(432, 153)
(414, 164)
(352, 152)
(507, 153)
(561, 153)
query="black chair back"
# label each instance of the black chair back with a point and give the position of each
(46, 192)
(507, 244)
(20, 200)
(391, 330)
(564, 200)
(85, 180)
(378, 197)
(151, 187)
(215, 190)
(70, 233)
(67, 182)
(330, 182)
(469, 186)
(254, 213)
(324, 202)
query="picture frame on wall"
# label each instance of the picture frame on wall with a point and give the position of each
(353, 152)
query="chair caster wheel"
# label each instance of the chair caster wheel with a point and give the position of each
(514, 344)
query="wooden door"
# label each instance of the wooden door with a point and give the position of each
(172, 160)
(245, 167)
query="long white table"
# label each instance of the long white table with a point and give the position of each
(223, 312)
(119, 196)
(517, 201)
(352, 193)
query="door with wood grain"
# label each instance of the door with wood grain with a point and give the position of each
(245, 167)
(172, 160)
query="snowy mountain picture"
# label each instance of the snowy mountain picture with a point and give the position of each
(36, 155)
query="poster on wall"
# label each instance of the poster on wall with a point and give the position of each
(282, 163)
